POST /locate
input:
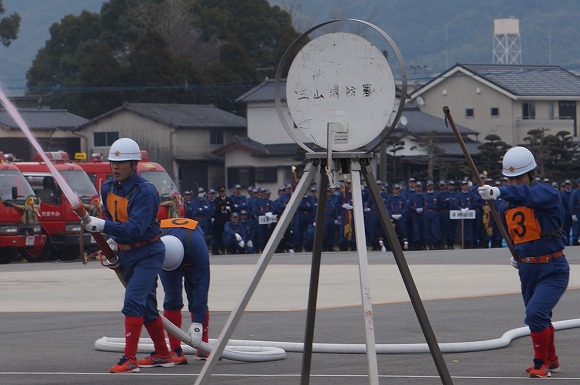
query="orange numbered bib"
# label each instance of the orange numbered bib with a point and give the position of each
(523, 225)
(182, 223)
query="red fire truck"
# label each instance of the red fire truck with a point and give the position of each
(171, 205)
(66, 239)
(20, 232)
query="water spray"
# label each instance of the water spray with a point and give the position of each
(72, 198)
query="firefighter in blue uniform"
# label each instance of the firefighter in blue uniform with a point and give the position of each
(131, 205)
(415, 208)
(235, 235)
(263, 207)
(249, 230)
(303, 217)
(446, 198)
(431, 216)
(186, 266)
(239, 201)
(397, 209)
(201, 211)
(533, 218)
(187, 196)
(465, 201)
(331, 216)
(278, 206)
(574, 206)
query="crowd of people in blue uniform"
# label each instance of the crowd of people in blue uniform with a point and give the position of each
(236, 223)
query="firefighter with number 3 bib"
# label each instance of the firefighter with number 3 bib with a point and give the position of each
(533, 217)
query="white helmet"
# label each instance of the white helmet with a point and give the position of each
(173, 252)
(518, 161)
(124, 149)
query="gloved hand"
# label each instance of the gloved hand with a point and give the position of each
(488, 193)
(367, 210)
(112, 244)
(196, 333)
(336, 222)
(241, 243)
(250, 244)
(514, 263)
(95, 225)
(464, 210)
(347, 206)
(212, 220)
(419, 210)
(470, 184)
(238, 237)
(269, 215)
(574, 218)
(396, 216)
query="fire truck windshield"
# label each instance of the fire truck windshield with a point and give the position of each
(14, 178)
(80, 183)
(162, 182)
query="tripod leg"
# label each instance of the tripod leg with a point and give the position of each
(361, 247)
(314, 281)
(407, 277)
(261, 265)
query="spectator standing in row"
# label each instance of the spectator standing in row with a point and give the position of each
(223, 210)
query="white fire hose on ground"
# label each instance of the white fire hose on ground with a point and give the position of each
(262, 351)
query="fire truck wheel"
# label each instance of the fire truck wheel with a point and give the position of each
(34, 254)
(6, 256)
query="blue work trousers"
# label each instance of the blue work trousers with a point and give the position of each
(140, 269)
(543, 284)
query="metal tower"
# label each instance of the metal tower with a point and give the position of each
(506, 41)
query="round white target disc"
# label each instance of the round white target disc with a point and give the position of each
(342, 83)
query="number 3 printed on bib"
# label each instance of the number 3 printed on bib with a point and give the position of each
(523, 225)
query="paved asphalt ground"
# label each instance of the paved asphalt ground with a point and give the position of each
(51, 314)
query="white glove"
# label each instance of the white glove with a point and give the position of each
(382, 245)
(238, 237)
(112, 244)
(250, 244)
(336, 222)
(514, 263)
(367, 210)
(574, 218)
(419, 210)
(464, 210)
(488, 193)
(396, 216)
(470, 184)
(347, 206)
(196, 333)
(269, 215)
(95, 225)
(241, 243)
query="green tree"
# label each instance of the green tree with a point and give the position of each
(165, 51)
(394, 145)
(9, 26)
(428, 142)
(490, 155)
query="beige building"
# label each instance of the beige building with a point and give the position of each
(506, 100)
(53, 129)
(180, 137)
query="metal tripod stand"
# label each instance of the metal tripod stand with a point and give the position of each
(356, 164)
